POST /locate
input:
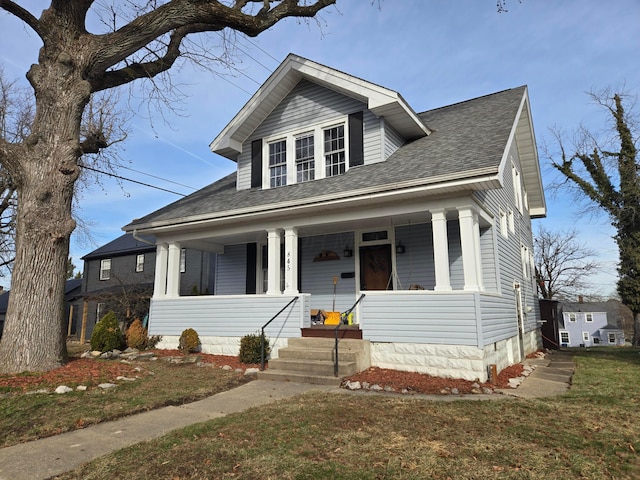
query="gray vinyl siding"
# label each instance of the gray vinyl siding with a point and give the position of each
(229, 316)
(498, 317)
(392, 140)
(317, 277)
(420, 317)
(456, 267)
(489, 274)
(231, 271)
(372, 138)
(416, 265)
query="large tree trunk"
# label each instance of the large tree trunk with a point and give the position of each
(45, 172)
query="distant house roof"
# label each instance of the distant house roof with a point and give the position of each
(465, 150)
(123, 245)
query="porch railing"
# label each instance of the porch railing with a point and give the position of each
(293, 300)
(343, 319)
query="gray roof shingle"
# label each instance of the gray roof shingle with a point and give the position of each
(467, 138)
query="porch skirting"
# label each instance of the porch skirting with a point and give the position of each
(221, 345)
(452, 361)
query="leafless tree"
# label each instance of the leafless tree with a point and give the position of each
(140, 41)
(562, 264)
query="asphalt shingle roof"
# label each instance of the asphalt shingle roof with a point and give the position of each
(467, 138)
(123, 245)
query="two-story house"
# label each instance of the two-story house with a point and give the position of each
(341, 190)
(587, 324)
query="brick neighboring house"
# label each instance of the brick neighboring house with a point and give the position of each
(119, 276)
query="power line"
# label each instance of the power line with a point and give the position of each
(159, 178)
(131, 180)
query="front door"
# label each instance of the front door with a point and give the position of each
(375, 268)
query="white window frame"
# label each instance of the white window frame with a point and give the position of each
(306, 162)
(517, 185)
(611, 337)
(586, 337)
(140, 262)
(504, 226)
(278, 179)
(572, 317)
(512, 223)
(99, 309)
(183, 260)
(318, 151)
(337, 151)
(588, 317)
(560, 335)
(105, 269)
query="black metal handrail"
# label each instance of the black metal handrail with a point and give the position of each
(343, 316)
(266, 325)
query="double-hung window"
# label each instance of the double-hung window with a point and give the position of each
(140, 262)
(334, 151)
(105, 269)
(305, 158)
(278, 163)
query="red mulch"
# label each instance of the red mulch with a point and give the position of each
(427, 384)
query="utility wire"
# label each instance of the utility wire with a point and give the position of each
(130, 180)
(159, 178)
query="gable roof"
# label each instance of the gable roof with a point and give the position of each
(381, 101)
(123, 245)
(465, 151)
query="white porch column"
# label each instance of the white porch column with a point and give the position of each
(470, 242)
(440, 250)
(273, 261)
(291, 260)
(160, 277)
(173, 270)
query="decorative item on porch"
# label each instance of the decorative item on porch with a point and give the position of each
(326, 255)
(333, 317)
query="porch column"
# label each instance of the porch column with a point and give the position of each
(470, 242)
(173, 270)
(440, 250)
(273, 261)
(291, 260)
(160, 276)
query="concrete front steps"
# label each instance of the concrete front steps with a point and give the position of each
(311, 360)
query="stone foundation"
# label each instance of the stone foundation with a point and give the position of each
(219, 345)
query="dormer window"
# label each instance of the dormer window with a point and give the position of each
(294, 158)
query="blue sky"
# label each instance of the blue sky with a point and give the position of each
(433, 52)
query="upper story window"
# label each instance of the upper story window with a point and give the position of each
(589, 317)
(140, 262)
(296, 157)
(572, 317)
(334, 151)
(278, 163)
(105, 269)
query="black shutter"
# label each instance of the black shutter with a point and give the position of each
(256, 163)
(356, 142)
(252, 257)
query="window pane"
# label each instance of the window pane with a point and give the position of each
(334, 154)
(278, 163)
(305, 163)
(105, 269)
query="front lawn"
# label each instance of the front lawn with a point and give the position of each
(589, 433)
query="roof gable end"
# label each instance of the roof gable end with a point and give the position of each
(381, 101)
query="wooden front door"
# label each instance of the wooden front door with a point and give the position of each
(375, 268)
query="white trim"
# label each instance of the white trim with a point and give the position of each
(440, 250)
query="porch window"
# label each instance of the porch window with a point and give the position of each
(334, 151)
(105, 269)
(140, 262)
(278, 163)
(305, 160)
(564, 337)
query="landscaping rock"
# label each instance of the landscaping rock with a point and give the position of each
(63, 389)
(252, 371)
(227, 368)
(107, 386)
(126, 379)
(353, 385)
(81, 388)
(376, 388)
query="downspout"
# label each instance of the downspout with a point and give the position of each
(140, 239)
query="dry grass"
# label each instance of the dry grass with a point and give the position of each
(591, 432)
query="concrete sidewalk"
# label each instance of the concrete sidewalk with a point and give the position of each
(45, 458)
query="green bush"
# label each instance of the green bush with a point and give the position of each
(136, 335)
(251, 347)
(189, 341)
(107, 335)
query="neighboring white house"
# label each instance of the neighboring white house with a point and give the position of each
(586, 324)
(342, 189)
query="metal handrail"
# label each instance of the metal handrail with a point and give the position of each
(342, 315)
(265, 326)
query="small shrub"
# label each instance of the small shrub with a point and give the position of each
(251, 347)
(106, 334)
(189, 341)
(153, 340)
(137, 335)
